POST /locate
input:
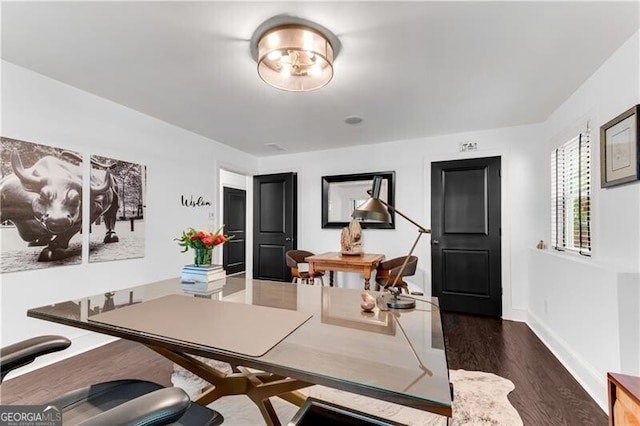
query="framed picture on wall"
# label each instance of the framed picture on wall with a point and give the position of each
(619, 149)
(120, 209)
(41, 211)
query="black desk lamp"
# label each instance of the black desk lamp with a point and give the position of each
(376, 209)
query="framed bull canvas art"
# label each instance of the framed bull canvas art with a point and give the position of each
(117, 194)
(40, 207)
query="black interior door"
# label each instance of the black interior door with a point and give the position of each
(465, 240)
(274, 224)
(235, 218)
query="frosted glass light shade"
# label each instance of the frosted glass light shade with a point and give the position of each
(295, 58)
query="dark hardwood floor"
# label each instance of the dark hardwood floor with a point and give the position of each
(121, 359)
(545, 393)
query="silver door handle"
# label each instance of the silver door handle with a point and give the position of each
(288, 239)
(435, 242)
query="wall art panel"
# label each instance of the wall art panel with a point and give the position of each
(117, 210)
(40, 206)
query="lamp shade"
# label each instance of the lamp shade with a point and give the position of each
(295, 58)
(373, 208)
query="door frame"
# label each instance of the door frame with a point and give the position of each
(290, 242)
(227, 189)
(248, 188)
(508, 311)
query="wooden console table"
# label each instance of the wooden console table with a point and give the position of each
(335, 261)
(624, 399)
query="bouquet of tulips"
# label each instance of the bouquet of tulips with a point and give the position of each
(194, 239)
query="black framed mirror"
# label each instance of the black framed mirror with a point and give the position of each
(341, 194)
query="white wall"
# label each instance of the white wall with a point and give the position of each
(610, 91)
(586, 309)
(586, 312)
(520, 148)
(41, 110)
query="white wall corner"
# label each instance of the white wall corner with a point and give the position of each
(515, 314)
(629, 322)
(589, 379)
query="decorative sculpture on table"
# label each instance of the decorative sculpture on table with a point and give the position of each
(351, 238)
(368, 302)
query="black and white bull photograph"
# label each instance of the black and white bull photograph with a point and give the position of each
(41, 213)
(120, 210)
(40, 206)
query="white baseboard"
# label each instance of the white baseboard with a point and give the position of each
(586, 376)
(515, 314)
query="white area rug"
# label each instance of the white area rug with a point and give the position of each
(480, 399)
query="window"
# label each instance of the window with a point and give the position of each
(571, 195)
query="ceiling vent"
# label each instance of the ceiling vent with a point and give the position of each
(274, 146)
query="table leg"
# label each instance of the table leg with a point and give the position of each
(312, 269)
(330, 278)
(367, 278)
(259, 386)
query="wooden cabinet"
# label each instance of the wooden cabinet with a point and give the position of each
(624, 399)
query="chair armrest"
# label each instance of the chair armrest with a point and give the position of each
(24, 352)
(161, 407)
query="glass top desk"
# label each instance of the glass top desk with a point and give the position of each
(397, 355)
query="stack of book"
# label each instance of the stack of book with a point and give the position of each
(201, 278)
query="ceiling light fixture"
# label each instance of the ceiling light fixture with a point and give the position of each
(294, 54)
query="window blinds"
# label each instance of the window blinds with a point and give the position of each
(571, 195)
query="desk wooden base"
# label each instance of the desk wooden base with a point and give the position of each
(259, 386)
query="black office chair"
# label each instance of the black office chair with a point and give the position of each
(120, 402)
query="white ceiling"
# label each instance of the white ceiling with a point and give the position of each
(410, 69)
